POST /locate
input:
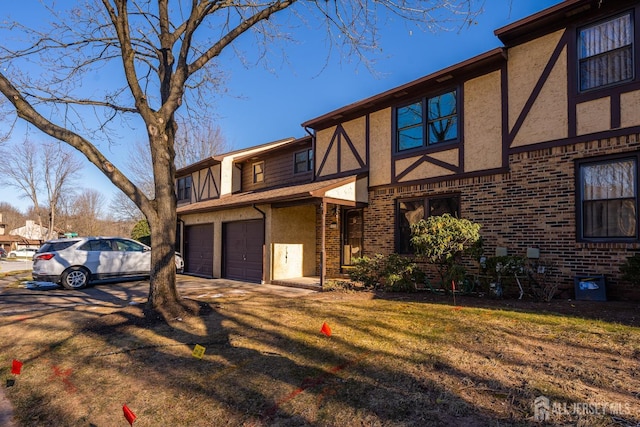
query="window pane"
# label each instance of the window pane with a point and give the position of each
(606, 53)
(445, 205)
(443, 120)
(442, 106)
(614, 218)
(606, 36)
(609, 180)
(409, 212)
(609, 199)
(409, 126)
(443, 130)
(410, 115)
(410, 138)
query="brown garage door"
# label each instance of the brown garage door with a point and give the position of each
(198, 250)
(242, 249)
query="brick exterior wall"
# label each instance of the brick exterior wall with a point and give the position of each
(531, 206)
(333, 240)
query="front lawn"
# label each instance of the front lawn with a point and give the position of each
(402, 361)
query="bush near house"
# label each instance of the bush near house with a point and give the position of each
(389, 273)
(442, 241)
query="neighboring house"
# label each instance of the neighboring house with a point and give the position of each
(31, 231)
(260, 223)
(537, 141)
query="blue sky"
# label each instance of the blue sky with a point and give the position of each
(261, 105)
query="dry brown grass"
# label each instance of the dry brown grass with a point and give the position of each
(388, 363)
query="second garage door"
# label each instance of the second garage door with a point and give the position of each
(242, 246)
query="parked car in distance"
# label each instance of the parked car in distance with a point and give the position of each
(76, 262)
(23, 253)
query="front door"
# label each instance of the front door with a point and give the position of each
(352, 235)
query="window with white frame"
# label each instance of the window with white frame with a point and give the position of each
(608, 199)
(605, 52)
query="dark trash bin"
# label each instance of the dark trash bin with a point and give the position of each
(590, 288)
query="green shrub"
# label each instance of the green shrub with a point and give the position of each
(142, 232)
(443, 240)
(367, 270)
(394, 273)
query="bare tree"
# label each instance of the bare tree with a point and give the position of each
(167, 55)
(41, 172)
(192, 144)
(195, 143)
(85, 212)
(11, 216)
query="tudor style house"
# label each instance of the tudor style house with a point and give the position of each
(538, 141)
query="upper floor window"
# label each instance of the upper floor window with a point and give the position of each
(410, 211)
(258, 172)
(427, 122)
(184, 189)
(605, 52)
(303, 161)
(608, 199)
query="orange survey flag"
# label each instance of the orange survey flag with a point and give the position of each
(326, 329)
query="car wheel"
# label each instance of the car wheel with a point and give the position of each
(75, 278)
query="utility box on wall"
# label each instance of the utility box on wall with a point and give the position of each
(590, 288)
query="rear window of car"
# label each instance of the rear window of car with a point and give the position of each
(56, 246)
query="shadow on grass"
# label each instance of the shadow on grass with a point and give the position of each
(389, 362)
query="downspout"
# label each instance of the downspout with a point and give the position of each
(264, 241)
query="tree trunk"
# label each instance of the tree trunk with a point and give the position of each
(163, 295)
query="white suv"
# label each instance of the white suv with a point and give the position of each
(75, 262)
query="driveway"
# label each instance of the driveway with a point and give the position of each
(15, 300)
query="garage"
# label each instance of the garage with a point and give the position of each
(242, 250)
(198, 250)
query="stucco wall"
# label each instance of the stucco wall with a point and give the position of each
(323, 140)
(483, 123)
(630, 108)
(593, 116)
(293, 238)
(356, 130)
(380, 147)
(548, 118)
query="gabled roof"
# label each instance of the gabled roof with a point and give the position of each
(274, 195)
(249, 151)
(469, 68)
